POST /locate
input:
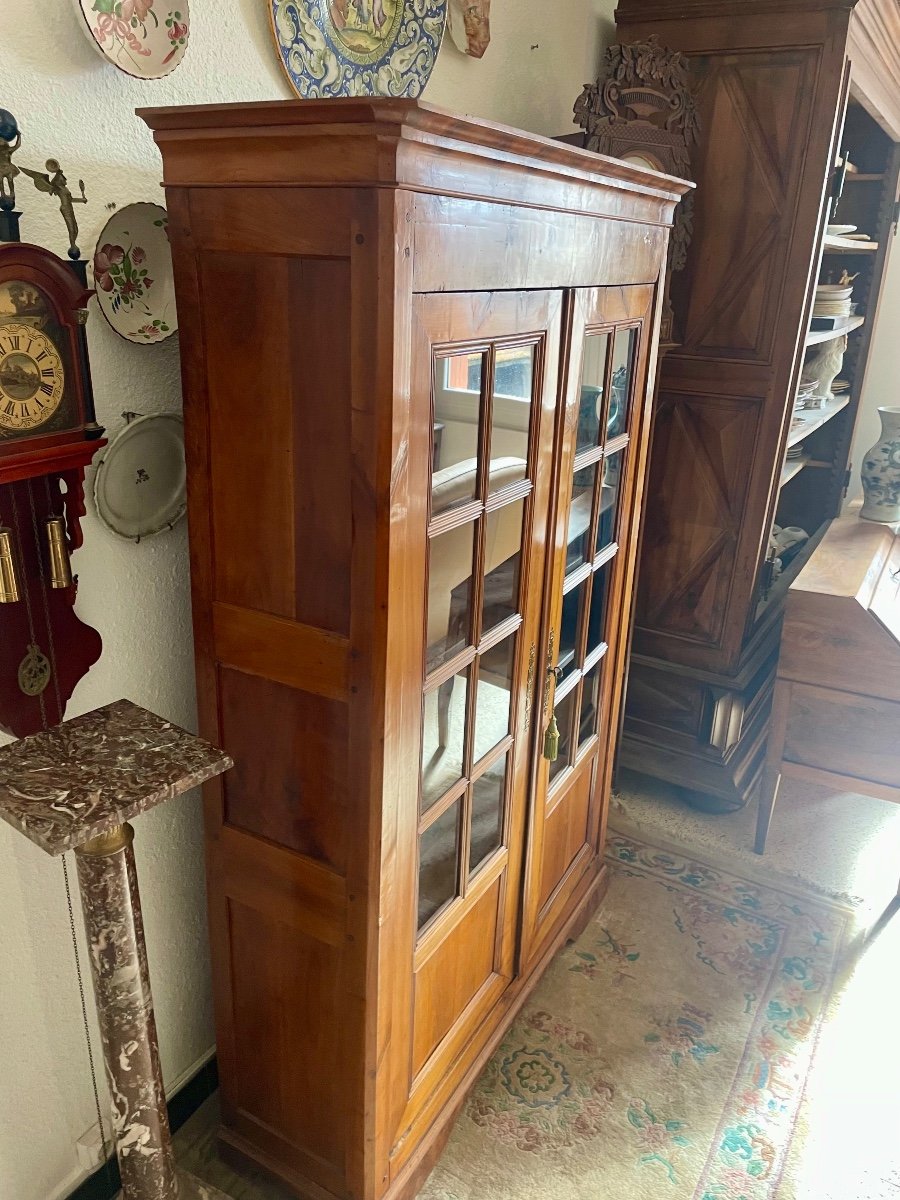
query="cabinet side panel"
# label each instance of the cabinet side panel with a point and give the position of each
(289, 782)
(278, 355)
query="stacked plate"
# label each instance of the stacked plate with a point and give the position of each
(833, 300)
(806, 394)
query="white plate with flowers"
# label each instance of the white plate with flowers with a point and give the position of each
(143, 38)
(133, 274)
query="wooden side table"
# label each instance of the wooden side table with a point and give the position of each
(75, 787)
(836, 711)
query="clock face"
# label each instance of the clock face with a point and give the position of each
(32, 379)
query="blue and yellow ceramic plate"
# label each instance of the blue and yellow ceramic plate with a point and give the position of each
(358, 47)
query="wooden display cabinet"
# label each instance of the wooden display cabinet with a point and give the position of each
(782, 90)
(417, 355)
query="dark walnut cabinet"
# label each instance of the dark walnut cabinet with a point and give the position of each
(417, 351)
(785, 91)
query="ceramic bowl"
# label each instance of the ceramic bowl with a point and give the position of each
(143, 38)
(133, 274)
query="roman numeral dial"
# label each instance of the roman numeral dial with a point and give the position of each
(32, 380)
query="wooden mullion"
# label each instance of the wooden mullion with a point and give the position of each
(437, 810)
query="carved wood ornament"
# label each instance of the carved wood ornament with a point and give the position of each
(642, 109)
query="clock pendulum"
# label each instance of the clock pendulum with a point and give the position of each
(63, 785)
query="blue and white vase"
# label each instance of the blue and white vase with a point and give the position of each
(881, 471)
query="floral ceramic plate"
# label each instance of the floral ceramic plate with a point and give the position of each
(133, 274)
(144, 38)
(358, 47)
(139, 485)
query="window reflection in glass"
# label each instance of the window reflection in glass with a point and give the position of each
(494, 696)
(488, 795)
(590, 703)
(443, 738)
(573, 603)
(438, 863)
(578, 536)
(511, 415)
(502, 561)
(457, 412)
(597, 616)
(590, 402)
(565, 717)
(450, 559)
(620, 388)
(609, 500)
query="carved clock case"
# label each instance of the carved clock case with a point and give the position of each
(48, 435)
(783, 88)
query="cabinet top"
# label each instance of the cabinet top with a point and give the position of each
(372, 141)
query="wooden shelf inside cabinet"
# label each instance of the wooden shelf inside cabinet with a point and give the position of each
(781, 586)
(815, 418)
(846, 245)
(792, 467)
(816, 336)
(864, 177)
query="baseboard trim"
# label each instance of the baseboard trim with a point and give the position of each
(105, 1183)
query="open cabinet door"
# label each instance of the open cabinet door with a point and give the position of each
(590, 574)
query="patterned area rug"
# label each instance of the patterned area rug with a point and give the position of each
(667, 1054)
(664, 1054)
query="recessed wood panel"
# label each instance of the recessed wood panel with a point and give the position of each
(279, 429)
(565, 833)
(290, 778)
(699, 476)
(286, 1001)
(453, 975)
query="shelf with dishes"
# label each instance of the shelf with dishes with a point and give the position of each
(816, 337)
(847, 239)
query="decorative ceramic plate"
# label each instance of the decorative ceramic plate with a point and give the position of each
(139, 485)
(144, 38)
(133, 274)
(358, 47)
(841, 230)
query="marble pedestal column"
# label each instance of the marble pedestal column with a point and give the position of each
(74, 788)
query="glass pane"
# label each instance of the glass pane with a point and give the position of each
(494, 696)
(510, 419)
(590, 703)
(443, 738)
(597, 618)
(565, 712)
(579, 532)
(623, 357)
(450, 558)
(457, 411)
(590, 405)
(502, 560)
(609, 500)
(438, 863)
(573, 603)
(488, 794)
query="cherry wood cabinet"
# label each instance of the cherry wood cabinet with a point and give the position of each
(417, 351)
(783, 88)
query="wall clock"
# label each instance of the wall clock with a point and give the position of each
(48, 435)
(358, 47)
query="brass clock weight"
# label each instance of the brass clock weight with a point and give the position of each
(48, 435)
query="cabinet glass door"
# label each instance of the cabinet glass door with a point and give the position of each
(583, 656)
(492, 371)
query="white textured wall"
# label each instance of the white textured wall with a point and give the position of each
(883, 375)
(73, 106)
